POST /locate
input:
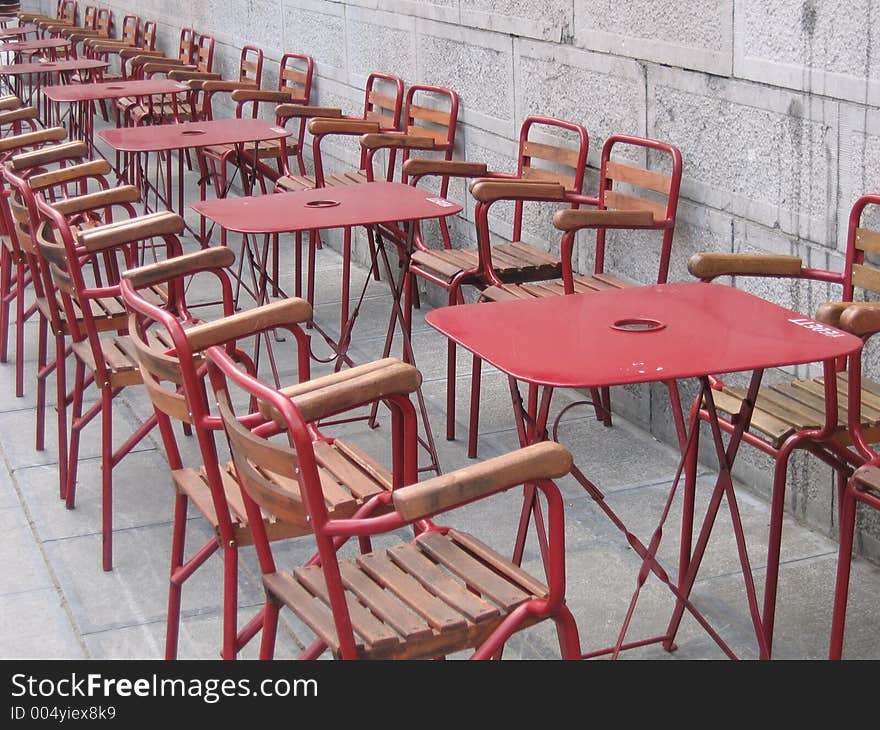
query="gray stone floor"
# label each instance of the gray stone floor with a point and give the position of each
(57, 602)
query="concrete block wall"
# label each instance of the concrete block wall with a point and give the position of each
(773, 103)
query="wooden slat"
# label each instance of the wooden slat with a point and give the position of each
(620, 201)
(776, 428)
(309, 609)
(488, 555)
(870, 407)
(382, 100)
(551, 153)
(339, 501)
(383, 604)
(292, 74)
(810, 397)
(437, 116)
(384, 121)
(656, 181)
(533, 253)
(788, 409)
(438, 135)
(537, 173)
(867, 240)
(870, 389)
(364, 623)
(366, 462)
(343, 470)
(474, 573)
(866, 277)
(421, 599)
(435, 263)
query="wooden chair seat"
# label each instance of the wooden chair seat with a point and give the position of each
(307, 182)
(553, 288)
(783, 409)
(119, 355)
(267, 149)
(108, 313)
(513, 262)
(349, 476)
(436, 595)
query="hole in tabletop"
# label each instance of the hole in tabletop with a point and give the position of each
(191, 132)
(638, 324)
(322, 203)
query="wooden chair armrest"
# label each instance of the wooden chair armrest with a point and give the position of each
(194, 78)
(488, 190)
(322, 125)
(40, 136)
(287, 111)
(545, 460)
(249, 322)
(211, 87)
(66, 174)
(380, 140)
(133, 53)
(118, 233)
(708, 265)
(206, 259)
(98, 199)
(858, 318)
(572, 220)
(363, 384)
(279, 97)
(151, 65)
(10, 101)
(18, 115)
(420, 166)
(81, 35)
(50, 153)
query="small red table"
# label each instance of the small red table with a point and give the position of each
(660, 333)
(368, 204)
(44, 68)
(140, 141)
(85, 95)
(40, 44)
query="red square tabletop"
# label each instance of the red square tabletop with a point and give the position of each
(364, 204)
(112, 90)
(583, 340)
(17, 31)
(161, 137)
(73, 64)
(35, 45)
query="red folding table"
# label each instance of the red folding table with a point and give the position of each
(85, 96)
(660, 333)
(44, 68)
(165, 138)
(368, 204)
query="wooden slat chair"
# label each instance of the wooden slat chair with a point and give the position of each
(102, 27)
(790, 415)
(195, 55)
(65, 17)
(174, 382)
(14, 122)
(294, 87)
(103, 359)
(213, 161)
(548, 171)
(441, 593)
(15, 271)
(28, 178)
(631, 197)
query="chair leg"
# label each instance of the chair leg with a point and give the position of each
(230, 601)
(107, 477)
(567, 631)
(844, 564)
(175, 587)
(75, 428)
(270, 629)
(43, 371)
(21, 316)
(6, 295)
(450, 390)
(60, 408)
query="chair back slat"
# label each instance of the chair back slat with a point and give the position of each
(639, 176)
(622, 201)
(866, 277)
(867, 240)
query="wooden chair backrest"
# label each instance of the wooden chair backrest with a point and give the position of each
(295, 75)
(250, 67)
(203, 53)
(186, 45)
(438, 121)
(131, 29)
(104, 22)
(380, 106)
(563, 162)
(862, 240)
(67, 11)
(90, 17)
(149, 35)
